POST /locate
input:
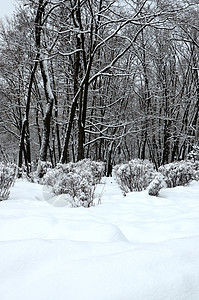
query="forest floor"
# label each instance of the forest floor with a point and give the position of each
(136, 247)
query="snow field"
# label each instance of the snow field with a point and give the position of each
(128, 248)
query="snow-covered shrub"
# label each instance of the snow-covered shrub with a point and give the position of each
(123, 174)
(194, 154)
(136, 175)
(42, 168)
(96, 168)
(35, 171)
(78, 180)
(80, 186)
(66, 168)
(156, 185)
(7, 179)
(22, 172)
(51, 176)
(29, 172)
(180, 173)
(195, 165)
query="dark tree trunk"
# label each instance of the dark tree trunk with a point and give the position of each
(25, 134)
(48, 113)
(77, 91)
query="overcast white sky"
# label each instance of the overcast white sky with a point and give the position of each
(6, 8)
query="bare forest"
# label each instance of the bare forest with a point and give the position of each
(108, 80)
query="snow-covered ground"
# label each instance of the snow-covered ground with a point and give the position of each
(136, 247)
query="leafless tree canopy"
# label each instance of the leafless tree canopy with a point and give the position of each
(107, 80)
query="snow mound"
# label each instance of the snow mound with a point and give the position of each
(128, 248)
(33, 227)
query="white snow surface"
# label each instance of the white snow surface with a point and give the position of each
(136, 247)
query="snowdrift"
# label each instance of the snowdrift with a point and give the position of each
(127, 248)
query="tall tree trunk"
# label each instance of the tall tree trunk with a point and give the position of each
(57, 132)
(48, 113)
(25, 134)
(76, 87)
(83, 114)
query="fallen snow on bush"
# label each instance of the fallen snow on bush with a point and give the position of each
(137, 247)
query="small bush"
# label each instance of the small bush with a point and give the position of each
(42, 168)
(194, 154)
(156, 185)
(180, 173)
(96, 168)
(51, 176)
(29, 172)
(136, 175)
(79, 186)
(78, 180)
(7, 179)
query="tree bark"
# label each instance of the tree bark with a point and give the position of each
(48, 113)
